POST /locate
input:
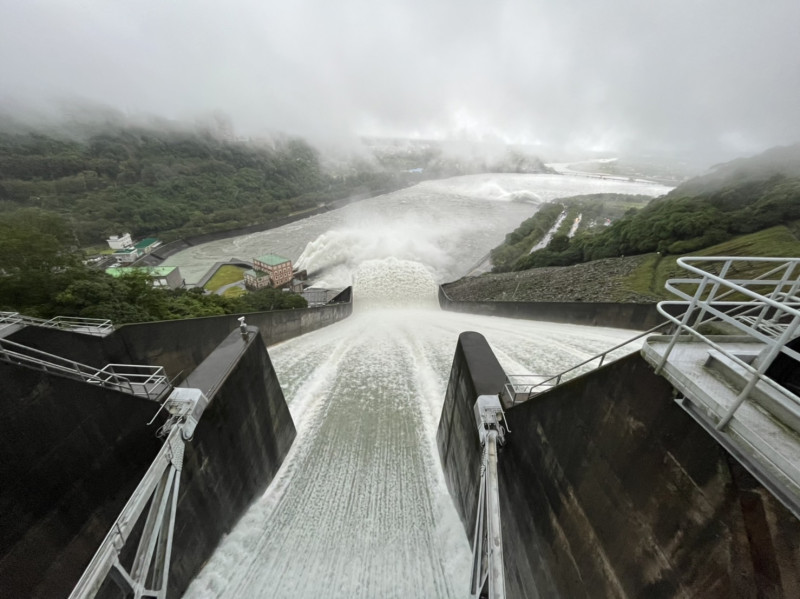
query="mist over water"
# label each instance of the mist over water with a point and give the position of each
(448, 225)
(360, 508)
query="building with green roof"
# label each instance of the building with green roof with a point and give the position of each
(161, 276)
(269, 270)
(147, 245)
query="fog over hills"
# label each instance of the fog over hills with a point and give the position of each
(713, 80)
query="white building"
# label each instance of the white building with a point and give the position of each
(121, 242)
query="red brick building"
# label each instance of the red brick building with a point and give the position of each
(268, 271)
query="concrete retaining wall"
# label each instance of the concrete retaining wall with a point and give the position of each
(238, 446)
(609, 489)
(617, 315)
(72, 453)
(177, 345)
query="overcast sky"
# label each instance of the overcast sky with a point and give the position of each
(714, 75)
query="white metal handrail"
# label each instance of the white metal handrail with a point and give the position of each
(556, 379)
(140, 380)
(488, 570)
(776, 306)
(91, 326)
(149, 575)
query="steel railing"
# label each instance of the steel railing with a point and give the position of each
(141, 380)
(149, 575)
(769, 314)
(90, 326)
(516, 382)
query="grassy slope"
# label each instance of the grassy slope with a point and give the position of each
(225, 275)
(651, 275)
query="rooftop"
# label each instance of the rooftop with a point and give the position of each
(272, 259)
(125, 251)
(146, 242)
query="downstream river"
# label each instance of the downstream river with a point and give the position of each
(448, 225)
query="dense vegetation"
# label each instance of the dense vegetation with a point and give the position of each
(42, 275)
(514, 252)
(170, 184)
(740, 197)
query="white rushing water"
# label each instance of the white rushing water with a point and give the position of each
(359, 507)
(448, 225)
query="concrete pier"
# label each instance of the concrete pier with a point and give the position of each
(610, 489)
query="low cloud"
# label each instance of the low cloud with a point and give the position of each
(721, 76)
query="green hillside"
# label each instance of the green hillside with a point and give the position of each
(740, 197)
(595, 209)
(170, 183)
(649, 278)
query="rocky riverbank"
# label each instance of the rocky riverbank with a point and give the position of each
(598, 281)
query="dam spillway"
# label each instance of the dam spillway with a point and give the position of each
(387, 365)
(360, 508)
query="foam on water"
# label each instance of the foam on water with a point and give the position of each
(337, 255)
(360, 507)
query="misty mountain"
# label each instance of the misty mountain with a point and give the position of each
(171, 182)
(781, 161)
(163, 178)
(739, 197)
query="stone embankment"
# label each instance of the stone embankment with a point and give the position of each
(597, 281)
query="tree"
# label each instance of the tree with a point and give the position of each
(559, 243)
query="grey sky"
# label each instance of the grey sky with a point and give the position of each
(719, 75)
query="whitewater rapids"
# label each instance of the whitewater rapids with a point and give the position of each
(359, 507)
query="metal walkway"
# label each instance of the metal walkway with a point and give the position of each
(10, 321)
(146, 381)
(735, 324)
(522, 387)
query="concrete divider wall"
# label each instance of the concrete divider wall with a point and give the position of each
(238, 446)
(177, 345)
(72, 453)
(609, 489)
(475, 372)
(616, 315)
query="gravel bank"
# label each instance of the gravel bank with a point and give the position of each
(597, 281)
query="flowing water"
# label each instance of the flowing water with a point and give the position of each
(359, 507)
(448, 225)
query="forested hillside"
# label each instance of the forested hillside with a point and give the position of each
(42, 274)
(170, 183)
(595, 212)
(736, 198)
